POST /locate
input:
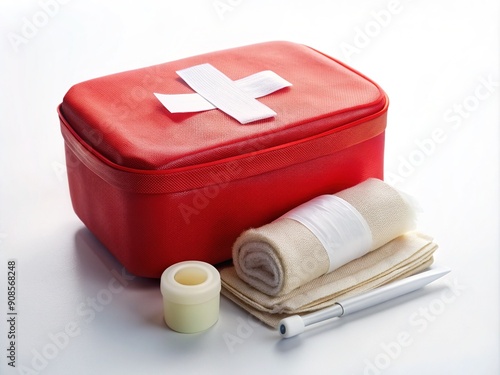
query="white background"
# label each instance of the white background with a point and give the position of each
(433, 58)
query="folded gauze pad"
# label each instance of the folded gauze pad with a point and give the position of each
(320, 236)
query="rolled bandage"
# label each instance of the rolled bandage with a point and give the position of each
(191, 296)
(320, 236)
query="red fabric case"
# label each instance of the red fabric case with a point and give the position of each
(157, 188)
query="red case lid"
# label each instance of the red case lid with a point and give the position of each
(120, 118)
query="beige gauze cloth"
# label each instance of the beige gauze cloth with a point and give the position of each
(281, 268)
(401, 257)
(285, 254)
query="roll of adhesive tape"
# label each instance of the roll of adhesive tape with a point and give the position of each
(191, 296)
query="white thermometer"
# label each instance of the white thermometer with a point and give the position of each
(295, 325)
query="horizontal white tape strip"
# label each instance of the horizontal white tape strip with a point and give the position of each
(215, 90)
(262, 83)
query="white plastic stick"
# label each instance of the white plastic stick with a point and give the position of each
(295, 325)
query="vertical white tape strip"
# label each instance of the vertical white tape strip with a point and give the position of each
(340, 228)
(225, 94)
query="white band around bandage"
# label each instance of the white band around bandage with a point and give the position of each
(340, 228)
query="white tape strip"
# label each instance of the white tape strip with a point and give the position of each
(261, 84)
(215, 90)
(223, 93)
(340, 228)
(183, 103)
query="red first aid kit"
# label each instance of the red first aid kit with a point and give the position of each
(158, 186)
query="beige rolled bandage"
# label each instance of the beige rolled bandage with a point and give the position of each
(403, 256)
(286, 254)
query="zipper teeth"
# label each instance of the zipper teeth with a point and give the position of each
(265, 141)
(188, 178)
(185, 168)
